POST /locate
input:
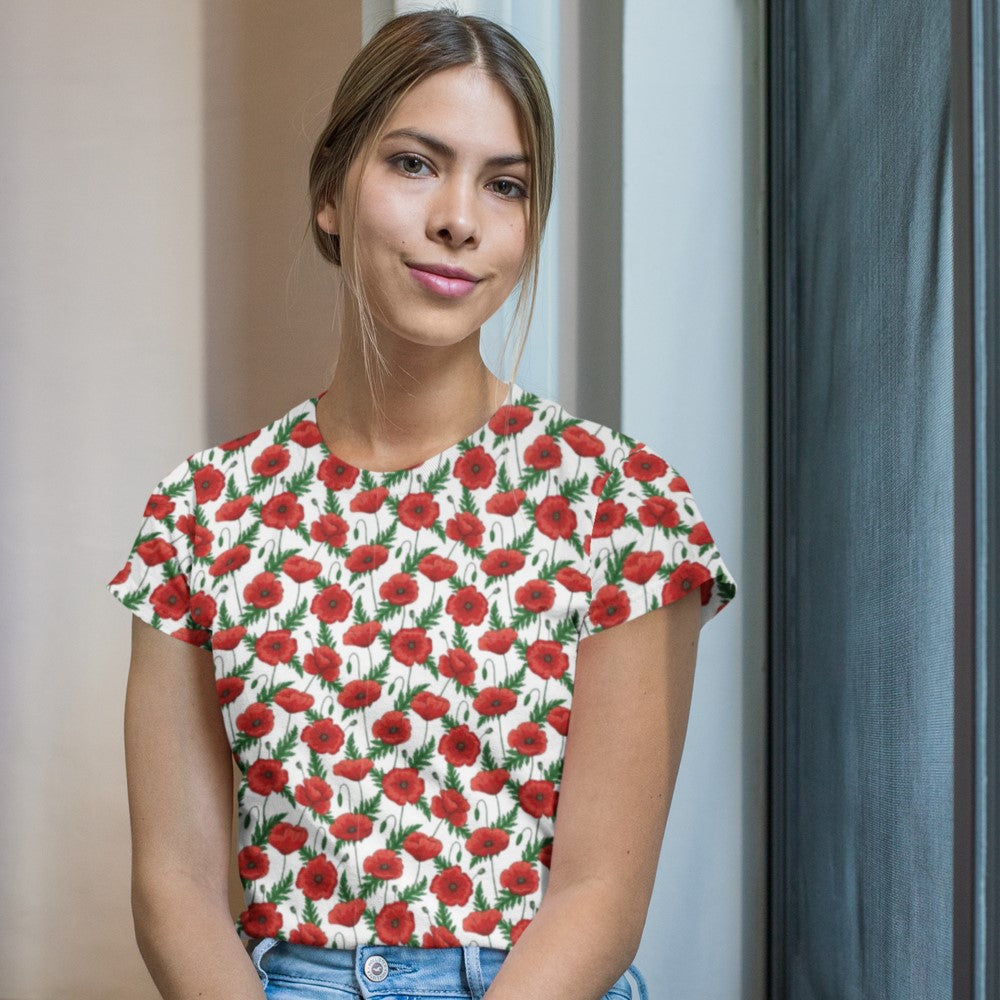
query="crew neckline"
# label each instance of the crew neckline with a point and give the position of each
(455, 450)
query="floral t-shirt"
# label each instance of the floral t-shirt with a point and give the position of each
(394, 654)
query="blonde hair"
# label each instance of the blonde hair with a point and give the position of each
(403, 52)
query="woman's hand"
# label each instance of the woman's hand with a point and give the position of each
(631, 700)
(180, 791)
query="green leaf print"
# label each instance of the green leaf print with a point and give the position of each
(310, 914)
(281, 890)
(412, 893)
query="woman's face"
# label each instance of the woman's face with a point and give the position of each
(441, 210)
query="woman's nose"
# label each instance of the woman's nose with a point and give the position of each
(453, 218)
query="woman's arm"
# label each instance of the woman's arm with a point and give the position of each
(179, 768)
(628, 721)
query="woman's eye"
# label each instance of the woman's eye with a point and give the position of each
(409, 164)
(509, 189)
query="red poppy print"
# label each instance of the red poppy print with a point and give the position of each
(384, 643)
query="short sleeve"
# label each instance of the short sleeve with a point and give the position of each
(156, 582)
(649, 546)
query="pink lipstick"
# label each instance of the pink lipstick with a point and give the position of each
(451, 282)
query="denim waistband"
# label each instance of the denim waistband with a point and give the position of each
(380, 970)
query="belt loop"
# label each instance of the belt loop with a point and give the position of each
(640, 982)
(473, 970)
(260, 950)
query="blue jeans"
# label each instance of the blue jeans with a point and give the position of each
(375, 972)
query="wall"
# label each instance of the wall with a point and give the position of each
(154, 161)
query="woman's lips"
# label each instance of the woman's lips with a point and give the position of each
(453, 284)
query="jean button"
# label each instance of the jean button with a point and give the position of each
(376, 968)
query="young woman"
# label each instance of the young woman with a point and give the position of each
(420, 610)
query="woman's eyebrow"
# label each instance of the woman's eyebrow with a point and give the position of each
(443, 149)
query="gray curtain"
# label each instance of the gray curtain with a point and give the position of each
(862, 527)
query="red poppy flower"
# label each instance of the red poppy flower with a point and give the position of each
(240, 442)
(678, 485)
(518, 929)
(644, 466)
(511, 419)
(545, 854)
(323, 662)
(332, 604)
(359, 694)
(503, 562)
(314, 793)
(582, 442)
(233, 510)
(276, 646)
(506, 504)
(499, 640)
(544, 453)
(158, 506)
(452, 806)
(535, 596)
(369, 501)
(266, 776)
(366, 558)
(228, 638)
(384, 865)
(323, 736)
(155, 552)
(400, 589)
(609, 606)
(354, 769)
(306, 434)
(481, 922)
(640, 567)
(402, 785)
(351, 826)
(452, 886)
(202, 609)
(520, 878)
(263, 591)
(348, 913)
(475, 469)
(201, 538)
(467, 606)
(558, 719)
(459, 665)
(700, 535)
(573, 580)
(684, 579)
(429, 706)
(330, 528)
(122, 575)
(494, 701)
(538, 798)
(437, 568)
(282, 511)
(300, 569)
(272, 460)
(230, 560)
(335, 474)
(547, 659)
(318, 878)
(459, 746)
(486, 841)
(292, 700)
(528, 738)
(659, 511)
(171, 599)
(308, 934)
(228, 689)
(256, 721)
(287, 838)
(490, 782)
(363, 634)
(555, 518)
(417, 510)
(440, 937)
(422, 847)
(252, 862)
(465, 528)
(195, 636)
(410, 645)
(394, 923)
(261, 920)
(393, 728)
(208, 483)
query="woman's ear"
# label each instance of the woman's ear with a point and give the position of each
(326, 217)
